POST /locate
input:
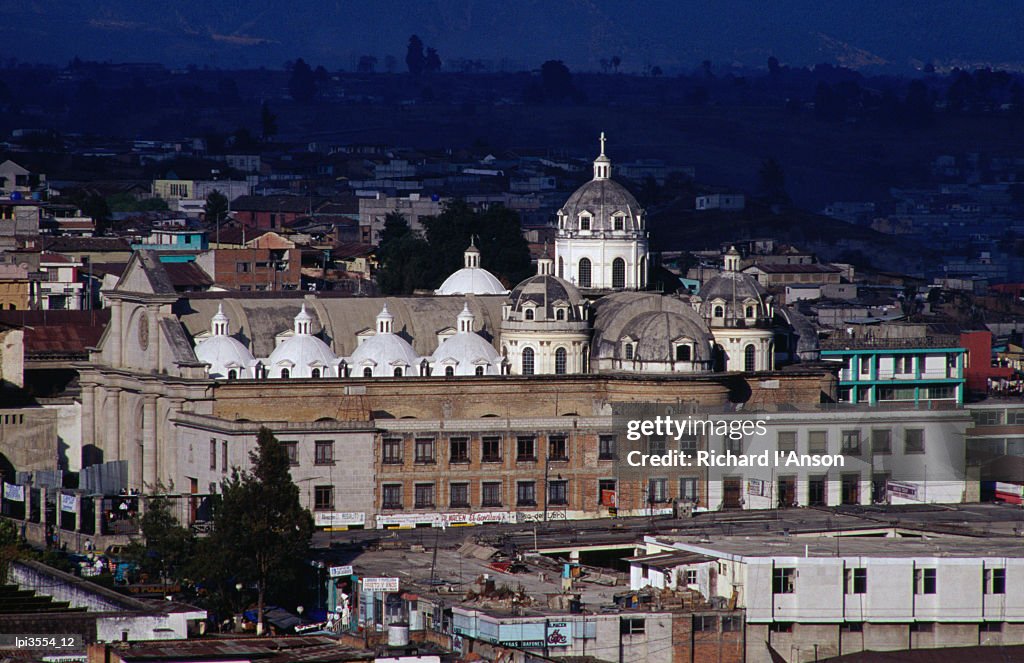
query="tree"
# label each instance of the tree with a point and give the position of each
(414, 58)
(367, 64)
(302, 84)
(556, 80)
(261, 533)
(168, 546)
(773, 181)
(432, 64)
(268, 122)
(216, 207)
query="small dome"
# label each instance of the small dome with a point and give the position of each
(224, 353)
(545, 295)
(303, 355)
(384, 353)
(738, 291)
(466, 351)
(472, 279)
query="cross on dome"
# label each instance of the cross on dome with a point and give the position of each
(602, 164)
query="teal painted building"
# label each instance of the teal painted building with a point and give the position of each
(175, 245)
(888, 370)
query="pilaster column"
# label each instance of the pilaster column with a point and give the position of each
(149, 450)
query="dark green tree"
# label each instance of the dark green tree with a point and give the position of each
(402, 257)
(432, 63)
(268, 123)
(302, 84)
(773, 181)
(216, 207)
(415, 60)
(169, 546)
(556, 80)
(261, 533)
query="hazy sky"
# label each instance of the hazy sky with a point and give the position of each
(522, 33)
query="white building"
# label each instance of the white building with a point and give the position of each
(59, 289)
(725, 201)
(823, 594)
(601, 243)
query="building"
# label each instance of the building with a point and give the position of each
(601, 243)
(825, 594)
(776, 275)
(890, 363)
(721, 201)
(374, 209)
(59, 287)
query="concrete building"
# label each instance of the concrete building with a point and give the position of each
(373, 211)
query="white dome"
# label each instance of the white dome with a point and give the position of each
(472, 281)
(465, 351)
(384, 352)
(302, 354)
(223, 353)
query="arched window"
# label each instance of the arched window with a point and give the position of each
(771, 357)
(367, 372)
(719, 311)
(584, 272)
(618, 273)
(560, 361)
(749, 358)
(527, 361)
(479, 370)
(528, 314)
(285, 374)
(560, 314)
(449, 371)
(398, 371)
(682, 352)
(232, 374)
(315, 373)
(561, 268)
(629, 350)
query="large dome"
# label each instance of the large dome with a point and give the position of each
(658, 333)
(227, 357)
(600, 201)
(472, 279)
(303, 355)
(466, 352)
(385, 353)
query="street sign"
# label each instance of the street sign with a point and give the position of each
(339, 571)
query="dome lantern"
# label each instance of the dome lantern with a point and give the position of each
(385, 321)
(303, 322)
(602, 164)
(466, 320)
(219, 322)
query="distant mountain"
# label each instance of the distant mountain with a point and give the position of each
(670, 34)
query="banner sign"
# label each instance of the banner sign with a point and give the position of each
(338, 518)
(14, 492)
(339, 571)
(380, 584)
(899, 489)
(558, 634)
(69, 503)
(756, 487)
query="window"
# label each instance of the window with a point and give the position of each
(367, 372)
(852, 627)
(816, 495)
(479, 370)
(232, 374)
(731, 624)
(904, 364)
(632, 626)
(688, 488)
(525, 448)
(865, 365)
(392, 447)
(780, 627)
(786, 441)
(922, 627)
(584, 272)
(560, 361)
(323, 497)
(783, 580)
(324, 452)
(526, 493)
(315, 373)
(392, 494)
(424, 450)
(243, 267)
(992, 417)
(606, 447)
(527, 361)
(618, 273)
(851, 442)
(719, 312)
(924, 581)
(459, 495)
(618, 223)
(558, 447)
(558, 492)
(881, 441)
(584, 222)
(857, 581)
(990, 627)
(683, 352)
(657, 491)
(817, 442)
(224, 456)
(213, 454)
(749, 359)
(691, 577)
(749, 312)
(292, 448)
(449, 371)
(491, 450)
(528, 314)
(491, 493)
(459, 447)
(398, 371)
(705, 623)
(913, 441)
(424, 496)
(560, 314)
(994, 581)
(285, 374)
(1013, 417)
(688, 443)
(606, 492)
(628, 350)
